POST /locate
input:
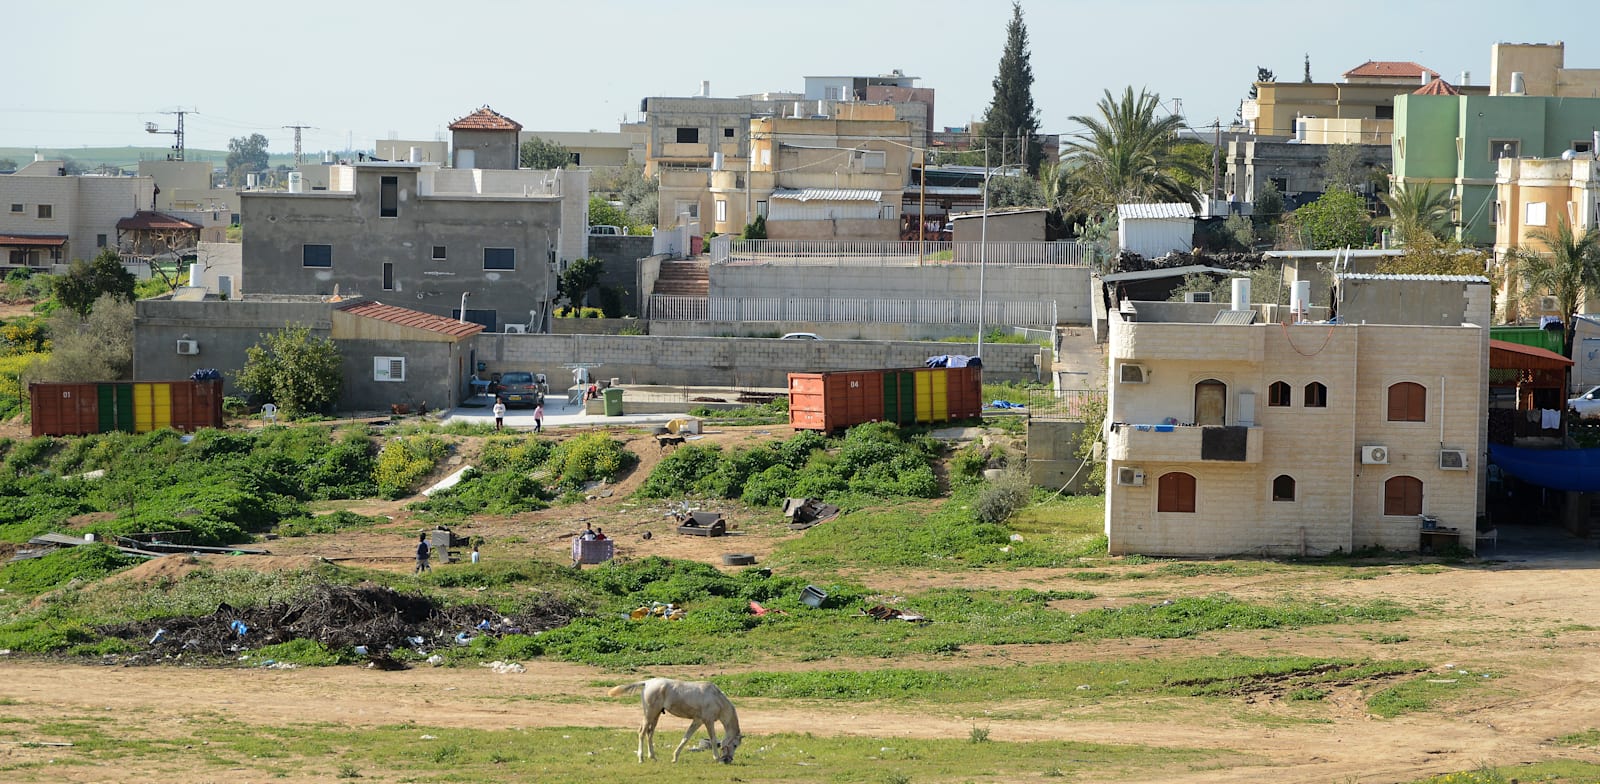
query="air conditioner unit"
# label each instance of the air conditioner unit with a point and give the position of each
(1129, 373)
(1452, 460)
(1375, 455)
(188, 347)
(1130, 476)
(1197, 296)
(1549, 304)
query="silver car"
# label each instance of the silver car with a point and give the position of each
(1587, 404)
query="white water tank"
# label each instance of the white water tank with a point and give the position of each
(297, 183)
(1519, 84)
(250, 181)
(416, 155)
(466, 159)
(705, 88)
(1241, 294)
(1300, 298)
(716, 161)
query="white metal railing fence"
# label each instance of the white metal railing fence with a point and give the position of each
(898, 253)
(666, 307)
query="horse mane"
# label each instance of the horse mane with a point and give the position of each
(730, 718)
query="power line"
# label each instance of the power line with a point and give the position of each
(177, 144)
(298, 158)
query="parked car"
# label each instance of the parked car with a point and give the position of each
(801, 336)
(522, 389)
(604, 230)
(1587, 404)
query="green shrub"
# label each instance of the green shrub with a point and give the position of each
(330, 523)
(85, 563)
(496, 493)
(588, 457)
(678, 473)
(404, 461)
(1001, 498)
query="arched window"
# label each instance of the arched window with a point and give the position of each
(1316, 395)
(1211, 403)
(1175, 493)
(1408, 402)
(1283, 488)
(1278, 394)
(1402, 495)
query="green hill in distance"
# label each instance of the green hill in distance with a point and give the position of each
(128, 157)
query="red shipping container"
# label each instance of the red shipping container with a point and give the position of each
(64, 409)
(965, 391)
(836, 400)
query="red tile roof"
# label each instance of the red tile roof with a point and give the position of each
(33, 239)
(486, 119)
(1392, 69)
(411, 318)
(146, 220)
(1437, 87)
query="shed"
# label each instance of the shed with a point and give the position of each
(1153, 230)
(395, 355)
(1025, 224)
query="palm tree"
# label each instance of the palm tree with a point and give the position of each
(1415, 209)
(1567, 269)
(1126, 154)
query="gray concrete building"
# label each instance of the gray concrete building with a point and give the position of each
(486, 139)
(1296, 169)
(416, 233)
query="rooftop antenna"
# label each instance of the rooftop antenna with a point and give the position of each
(299, 158)
(177, 143)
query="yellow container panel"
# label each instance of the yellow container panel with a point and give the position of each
(941, 396)
(163, 406)
(143, 408)
(924, 396)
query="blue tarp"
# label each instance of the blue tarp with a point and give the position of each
(1556, 469)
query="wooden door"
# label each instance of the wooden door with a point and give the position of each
(1210, 403)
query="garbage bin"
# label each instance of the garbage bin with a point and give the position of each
(613, 396)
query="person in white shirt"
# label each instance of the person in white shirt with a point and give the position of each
(499, 414)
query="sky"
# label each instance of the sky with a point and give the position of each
(93, 72)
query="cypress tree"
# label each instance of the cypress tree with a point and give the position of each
(1012, 119)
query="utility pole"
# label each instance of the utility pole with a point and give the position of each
(298, 158)
(1216, 159)
(177, 143)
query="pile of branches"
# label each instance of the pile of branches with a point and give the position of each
(1128, 261)
(338, 617)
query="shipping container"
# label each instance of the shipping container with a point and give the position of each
(837, 400)
(76, 409)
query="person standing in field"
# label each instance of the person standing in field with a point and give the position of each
(499, 414)
(538, 418)
(423, 551)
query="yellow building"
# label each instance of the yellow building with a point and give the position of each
(1367, 95)
(1544, 72)
(1534, 195)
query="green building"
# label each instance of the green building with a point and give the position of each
(1454, 141)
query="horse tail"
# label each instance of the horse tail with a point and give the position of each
(626, 688)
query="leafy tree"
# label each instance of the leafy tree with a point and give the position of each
(540, 154)
(1431, 255)
(603, 213)
(1418, 211)
(1262, 75)
(1194, 173)
(246, 154)
(6, 164)
(95, 347)
(756, 229)
(293, 369)
(1343, 168)
(1011, 114)
(639, 195)
(581, 275)
(1338, 219)
(1014, 190)
(86, 281)
(1567, 268)
(1268, 205)
(1240, 231)
(1126, 154)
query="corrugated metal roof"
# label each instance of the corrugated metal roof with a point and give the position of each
(1137, 211)
(1235, 317)
(828, 194)
(1437, 278)
(415, 319)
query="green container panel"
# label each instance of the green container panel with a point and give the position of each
(106, 394)
(125, 407)
(899, 397)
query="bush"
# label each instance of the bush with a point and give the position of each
(1002, 498)
(404, 462)
(494, 493)
(294, 369)
(678, 473)
(589, 457)
(331, 523)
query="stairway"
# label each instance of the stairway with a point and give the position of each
(684, 279)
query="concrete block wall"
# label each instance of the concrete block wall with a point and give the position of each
(750, 362)
(224, 329)
(1068, 286)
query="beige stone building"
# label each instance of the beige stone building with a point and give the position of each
(1364, 102)
(1544, 72)
(48, 217)
(1226, 436)
(1532, 196)
(838, 177)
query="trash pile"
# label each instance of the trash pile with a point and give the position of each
(666, 612)
(365, 618)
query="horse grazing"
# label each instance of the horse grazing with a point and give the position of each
(702, 703)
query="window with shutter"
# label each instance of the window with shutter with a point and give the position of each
(1402, 496)
(1175, 493)
(1278, 394)
(388, 368)
(1316, 395)
(1408, 402)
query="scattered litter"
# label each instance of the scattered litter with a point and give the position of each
(1085, 687)
(278, 665)
(428, 737)
(668, 611)
(5, 651)
(813, 597)
(505, 667)
(160, 633)
(436, 660)
(886, 613)
(1006, 549)
(758, 610)
(239, 628)
(361, 650)
(701, 524)
(414, 640)
(803, 513)
(1016, 537)
(462, 638)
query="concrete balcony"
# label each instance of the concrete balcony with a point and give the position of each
(685, 150)
(1137, 443)
(1144, 342)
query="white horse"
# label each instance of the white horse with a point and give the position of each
(702, 703)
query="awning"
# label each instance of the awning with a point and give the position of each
(828, 194)
(33, 240)
(1505, 355)
(1577, 470)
